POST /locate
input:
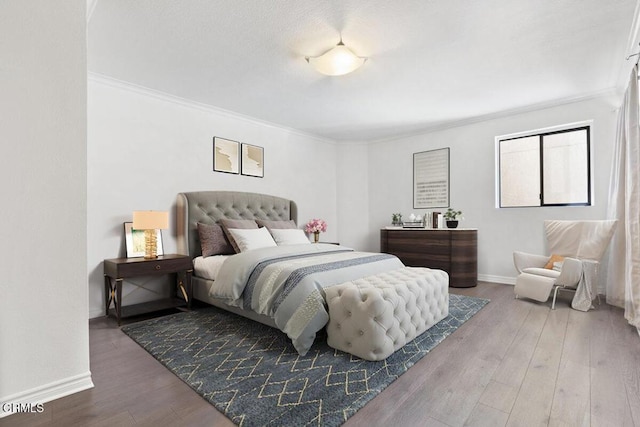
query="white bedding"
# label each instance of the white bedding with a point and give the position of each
(208, 267)
(287, 283)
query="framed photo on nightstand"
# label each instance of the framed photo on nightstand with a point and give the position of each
(134, 240)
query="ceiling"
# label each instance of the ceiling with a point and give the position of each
(431, 62)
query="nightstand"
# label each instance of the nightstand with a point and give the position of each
(118, 269)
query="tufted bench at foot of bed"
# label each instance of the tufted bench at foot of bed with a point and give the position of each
(374, 316)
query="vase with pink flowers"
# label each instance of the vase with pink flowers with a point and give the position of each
(316, 226)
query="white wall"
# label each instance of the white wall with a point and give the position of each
(353, 195)
(144, 148)
(44, 337)
(472, 168)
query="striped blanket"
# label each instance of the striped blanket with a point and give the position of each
(287, 283)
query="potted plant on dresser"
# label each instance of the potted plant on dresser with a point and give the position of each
(451, 216)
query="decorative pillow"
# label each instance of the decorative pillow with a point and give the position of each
(236, 224)
(276, 224)
(289, 236)
(554, 258)
(248, 239)
(213, 240)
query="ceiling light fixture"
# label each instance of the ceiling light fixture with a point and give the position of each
(337, 61)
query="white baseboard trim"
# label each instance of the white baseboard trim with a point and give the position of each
(31, 399)
(96, 313)
(497, 279)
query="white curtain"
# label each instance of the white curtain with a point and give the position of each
(623, 269)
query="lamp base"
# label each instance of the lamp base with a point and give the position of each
(150, 244)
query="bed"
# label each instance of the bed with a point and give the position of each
(283, 286)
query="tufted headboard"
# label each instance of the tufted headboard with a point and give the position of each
(210, 206)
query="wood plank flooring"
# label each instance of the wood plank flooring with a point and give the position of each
(516, 363)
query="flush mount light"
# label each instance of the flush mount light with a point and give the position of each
(337, 61)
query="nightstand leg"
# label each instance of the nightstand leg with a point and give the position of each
(108, 295)
(118, 299)
(182, 288)
(184, 284)
(189, 288)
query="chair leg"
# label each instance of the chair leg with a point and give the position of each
(555, 294)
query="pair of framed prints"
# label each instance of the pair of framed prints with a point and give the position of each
(238, 158)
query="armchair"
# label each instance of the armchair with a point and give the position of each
(582, 244)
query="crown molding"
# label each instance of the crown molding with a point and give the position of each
(91, 6)
(613, 92)
(188, 103)
(163, 96)
(633, 46)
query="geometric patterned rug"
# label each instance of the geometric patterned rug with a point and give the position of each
(252, 374)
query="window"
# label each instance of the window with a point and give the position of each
(545, 169)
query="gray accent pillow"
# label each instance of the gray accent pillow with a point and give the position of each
(213, 240)
(277, 225)
(236, 223)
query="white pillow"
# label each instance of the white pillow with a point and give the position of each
(252, 238)
(289, 236)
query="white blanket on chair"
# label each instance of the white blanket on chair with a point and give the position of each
(586, 290)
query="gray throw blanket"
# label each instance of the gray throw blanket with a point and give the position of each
(287, 283)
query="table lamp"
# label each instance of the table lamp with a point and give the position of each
(150, 221)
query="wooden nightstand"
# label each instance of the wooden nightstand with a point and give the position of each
(118, 269)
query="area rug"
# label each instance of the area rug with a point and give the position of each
(252, 373)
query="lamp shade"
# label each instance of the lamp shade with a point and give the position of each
(337, 61)
(150, 220)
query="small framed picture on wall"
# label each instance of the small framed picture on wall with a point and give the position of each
(226, 155)
(252, 160)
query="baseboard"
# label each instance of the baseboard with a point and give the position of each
(32, 400)
(96, 313)
(497, 279)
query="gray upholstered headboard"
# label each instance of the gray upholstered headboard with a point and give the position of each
(210, 206)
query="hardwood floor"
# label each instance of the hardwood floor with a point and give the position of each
(516, 363)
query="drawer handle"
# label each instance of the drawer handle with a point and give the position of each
(158, 267)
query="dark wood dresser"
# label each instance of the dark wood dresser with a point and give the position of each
(452, 250)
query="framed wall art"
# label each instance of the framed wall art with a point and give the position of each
(431, 179)
(252, 160)
(134, 240)
(226, 155)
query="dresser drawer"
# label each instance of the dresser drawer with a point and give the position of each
(452, 250)
(133, 267)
